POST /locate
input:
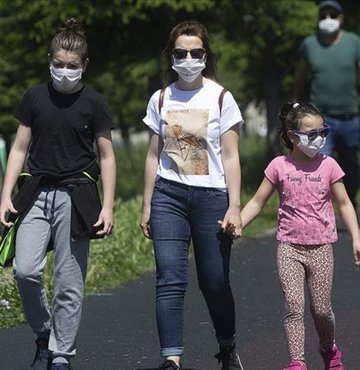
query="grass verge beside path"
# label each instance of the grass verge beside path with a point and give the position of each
(127, 254)
(118, 258)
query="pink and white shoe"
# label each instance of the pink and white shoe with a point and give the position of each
(332, 359)
(296, 365)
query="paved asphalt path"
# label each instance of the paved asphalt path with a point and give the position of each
(118, 330)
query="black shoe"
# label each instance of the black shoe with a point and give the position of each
(60, 367)
(229, 358)
(169, 364)
(42, 358)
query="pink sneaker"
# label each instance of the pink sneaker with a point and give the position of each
(332, 359)
(296, 365)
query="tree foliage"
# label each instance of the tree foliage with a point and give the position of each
(255, 41)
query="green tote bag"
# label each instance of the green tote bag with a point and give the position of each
(7, 247)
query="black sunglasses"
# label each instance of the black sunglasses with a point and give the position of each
(313, 134)
(332, 13)
(197, 53)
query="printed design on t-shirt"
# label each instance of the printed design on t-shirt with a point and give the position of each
(185, 141)
(306, 207)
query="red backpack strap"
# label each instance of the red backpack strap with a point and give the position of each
(161, 99)
(221, 98)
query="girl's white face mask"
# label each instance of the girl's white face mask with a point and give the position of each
(188, 69)
(329, 25)
(65, 79)
(311, 147)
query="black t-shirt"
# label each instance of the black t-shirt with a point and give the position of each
(63, 128)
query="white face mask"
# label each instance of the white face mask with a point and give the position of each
(65, 79)
(329, 25)
(311, 148)
(188, 69)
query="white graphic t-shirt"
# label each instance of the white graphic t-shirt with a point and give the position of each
(191, 125)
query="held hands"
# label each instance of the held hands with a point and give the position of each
(231, 224)
(105, 222)
(6, 207)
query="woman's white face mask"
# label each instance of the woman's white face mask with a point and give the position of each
(188, 69)
(65, 79)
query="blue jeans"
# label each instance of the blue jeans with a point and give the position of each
(344, 138)
(180, 213)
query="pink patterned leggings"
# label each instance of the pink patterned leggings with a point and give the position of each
(314, 265)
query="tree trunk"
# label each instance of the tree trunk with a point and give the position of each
(125, 135)
(272, 83)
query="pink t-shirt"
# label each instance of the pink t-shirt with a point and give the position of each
(306, 214)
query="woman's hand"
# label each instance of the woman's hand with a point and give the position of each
(145, 223)
(356, 251)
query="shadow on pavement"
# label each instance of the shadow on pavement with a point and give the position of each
(119, 326)
(156, 368)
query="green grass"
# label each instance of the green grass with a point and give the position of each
(130, 162)
(127, 254)
(124, 255)
(266, 222)
(120, 257)
(253, 163)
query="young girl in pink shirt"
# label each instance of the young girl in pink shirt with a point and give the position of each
(306, 181)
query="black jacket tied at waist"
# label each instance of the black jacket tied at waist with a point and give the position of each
(85, 199)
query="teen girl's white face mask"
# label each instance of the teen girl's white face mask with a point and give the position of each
(65, 79)
(329, 25)
(188, 69)
(311, 147)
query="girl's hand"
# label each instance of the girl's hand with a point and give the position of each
(105, 222)
(145, 224)
(231, 224)
(6, 207)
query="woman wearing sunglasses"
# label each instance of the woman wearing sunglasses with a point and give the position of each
(192, 180)
(307, 181)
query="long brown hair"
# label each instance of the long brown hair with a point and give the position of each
(189, 28)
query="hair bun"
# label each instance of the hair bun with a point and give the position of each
(74, 25)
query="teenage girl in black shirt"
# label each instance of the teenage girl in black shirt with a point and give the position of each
(59, 122)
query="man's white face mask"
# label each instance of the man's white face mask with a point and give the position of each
(329, 25)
